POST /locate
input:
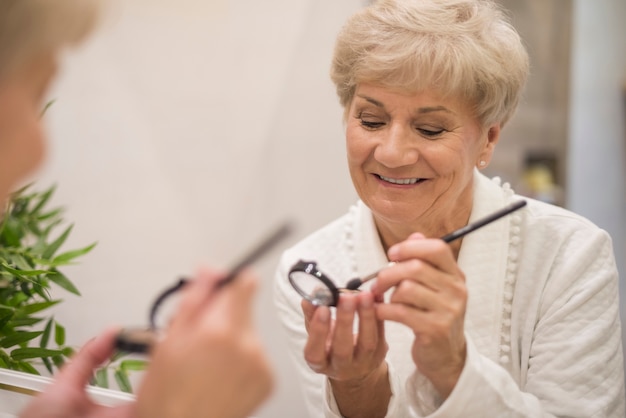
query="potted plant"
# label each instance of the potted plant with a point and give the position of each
(31, 338)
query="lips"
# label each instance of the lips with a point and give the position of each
(405, 181)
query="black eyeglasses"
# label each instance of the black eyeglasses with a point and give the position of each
(314, 286)
(164, 306)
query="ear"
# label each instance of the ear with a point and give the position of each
(491, 139)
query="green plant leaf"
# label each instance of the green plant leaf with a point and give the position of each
(40, 289)
(61, 280)
(25, 322)
(33, 227)
(48, 364)
(11, 233)
(46, 107)
(59, 334)
(5, 317)
(43, 198)
(26, 289)
(50, 215)
(52, 248)
(22, 273)
(6, 275)
(58, 360)
(42, 262)
(19, 338)
(134, 365)
(71, 255)
(51, 226)
(102, 378)
(33, 352)
(36, 307)
(17, 299)
(21, 191)
(121, 377)
(21, 262)
(45, 337)
(27, 367)
(29, 244)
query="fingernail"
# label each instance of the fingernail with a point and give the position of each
(392, 253)
(367, 300)
(346, 303)
(374, 287)
(323, 314)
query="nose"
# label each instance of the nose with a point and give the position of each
(397, 147)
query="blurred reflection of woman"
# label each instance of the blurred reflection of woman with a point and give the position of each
(211, 362)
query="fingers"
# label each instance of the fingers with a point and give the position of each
(79, 370)
(433, 251)
(196, 294)
(343, 336)
(201, 295)
(239, 295)
(308, 309)
(334, 348)
(429, 262)
(315, 352)
(370, 328)
(414, 319)
(420, 287)
(413, 269)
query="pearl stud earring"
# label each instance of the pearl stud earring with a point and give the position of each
(482, 163)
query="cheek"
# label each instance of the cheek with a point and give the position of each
(358, 148)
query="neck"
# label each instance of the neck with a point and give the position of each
(433, 225)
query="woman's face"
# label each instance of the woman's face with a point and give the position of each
(21, 135)
(411, 158)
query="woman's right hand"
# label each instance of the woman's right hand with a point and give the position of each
(354, 363)
(211, 362)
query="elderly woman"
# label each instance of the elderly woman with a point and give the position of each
(211, 345)
(519, 318)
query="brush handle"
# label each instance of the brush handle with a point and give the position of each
(459, 233)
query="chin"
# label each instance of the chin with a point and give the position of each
(403, 213)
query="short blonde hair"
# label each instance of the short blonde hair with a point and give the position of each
(32, 27)
(461, 48)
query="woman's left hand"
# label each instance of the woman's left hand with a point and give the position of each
(430, 297)
(67, 396)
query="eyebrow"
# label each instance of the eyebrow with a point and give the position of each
(421, 110)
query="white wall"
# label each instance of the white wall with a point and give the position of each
(597, 147)
(184, 129)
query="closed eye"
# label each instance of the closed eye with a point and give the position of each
(431, 132)
(371, 125)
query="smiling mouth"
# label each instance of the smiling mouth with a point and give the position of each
(400, 181)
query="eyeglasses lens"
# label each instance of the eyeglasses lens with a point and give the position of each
(311, 288)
